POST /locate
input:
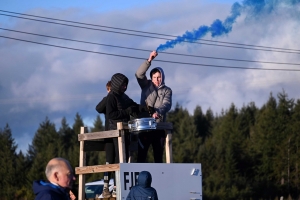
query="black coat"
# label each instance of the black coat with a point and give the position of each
(101, 108)
(117, 109)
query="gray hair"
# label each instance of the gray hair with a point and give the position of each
(52, 167)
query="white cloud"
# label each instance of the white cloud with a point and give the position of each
(48, 81)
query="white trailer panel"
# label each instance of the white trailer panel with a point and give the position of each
(171, 181)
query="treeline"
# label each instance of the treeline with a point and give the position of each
(18, 171)
(246, 153)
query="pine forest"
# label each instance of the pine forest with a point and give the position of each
(246, 153)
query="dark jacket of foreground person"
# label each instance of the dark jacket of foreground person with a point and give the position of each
(143, 190)
(48, 191)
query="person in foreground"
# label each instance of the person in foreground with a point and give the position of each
(143, 190)
(60, 180)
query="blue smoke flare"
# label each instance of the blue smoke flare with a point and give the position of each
(218, 28)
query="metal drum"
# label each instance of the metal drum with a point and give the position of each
(142, 124)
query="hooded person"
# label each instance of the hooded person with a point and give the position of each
(119, 107)
(143, 189)
(158, 96)
(60, 179)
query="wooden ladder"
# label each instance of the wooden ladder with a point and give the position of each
(86, 144)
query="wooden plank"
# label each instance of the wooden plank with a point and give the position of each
(98, 135)
(169, 156)
(94, 145)
(97, 169)
(125, 125)
(121, 143)
(82, 162)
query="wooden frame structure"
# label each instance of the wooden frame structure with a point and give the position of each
(122, 128)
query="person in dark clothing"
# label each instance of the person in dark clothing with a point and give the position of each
(118, 108)
(60, 179)
(143, 189)
(109, 145)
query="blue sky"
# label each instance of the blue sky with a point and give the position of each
(89, 4)
(95, 5)
(38, 81)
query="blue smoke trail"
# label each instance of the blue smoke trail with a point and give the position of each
(218, 28)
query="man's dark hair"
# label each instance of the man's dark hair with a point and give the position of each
(153, 71)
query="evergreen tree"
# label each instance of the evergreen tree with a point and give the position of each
(186, 138)
(251, 153)
(66, 134)
(293, 153)
(8, 171)
(73, 151)
(247, 119)
(175, 116)
(96, 157)
(223, 158)
(283, 137)
(188, 141)
(264, 150)
(23, 184)
(98, 125)
(44, 147)
(203, 123)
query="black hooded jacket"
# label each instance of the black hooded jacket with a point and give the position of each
(119, 106)
(143, 190)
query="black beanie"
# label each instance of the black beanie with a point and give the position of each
(117, 80)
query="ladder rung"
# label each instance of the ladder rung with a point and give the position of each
(97, 169)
